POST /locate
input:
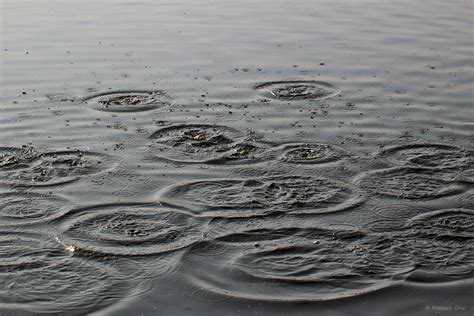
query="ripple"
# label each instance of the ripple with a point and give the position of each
(201, 143)
(469, 174)
(314, 194)
(20, 208)
(297, 90)
(448, 222)
(265, 229)
(311, 264)
(16, 157)
(26, 251)
(239, 197)
(128, 101)
(38, 276)
(392, 216)
(201, 295)
(451, 259)
(429, 155)
(197, 135)
(465, 200)
(410, 183)
(125, 193)
(440, 242)
(310, 153)
(243, 153)
(60, 167)
(128, 229)
(303, 263)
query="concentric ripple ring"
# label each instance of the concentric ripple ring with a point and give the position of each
(297, 90)
(257, 197)
(297, 264)
(429, 155)
(127, 229)
(40, 276)
(128, 100)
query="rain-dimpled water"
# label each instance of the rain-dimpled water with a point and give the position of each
(236, 158)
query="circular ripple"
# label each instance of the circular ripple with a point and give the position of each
(242, 153)
(449, 222)
(311, 264)
(200, 143)
(310, 153)
(429, 155)
(297, 90)
(410, 183)
(392, 217)
(128, 101)
(60, 167)
(453, 259)
(440, 242)
(196, 135)
(20, 208)
(26, 251)
(303, 194)
(16, 157)
(237, 197)
(127, 230)
(38, 275)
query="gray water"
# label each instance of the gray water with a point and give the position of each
(236, 158)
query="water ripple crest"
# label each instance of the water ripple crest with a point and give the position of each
(128, 100)
(59, 167)
(297, 264)
(21, 208)
(127, 230)
(429, 155)
(256, 197)
(203, 143)
(297, 90)
(411, 183)
(40, 276)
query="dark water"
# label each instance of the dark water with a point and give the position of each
(223, 158)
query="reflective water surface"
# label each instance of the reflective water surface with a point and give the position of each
(236, 158)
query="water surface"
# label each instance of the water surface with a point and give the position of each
(223, 158)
